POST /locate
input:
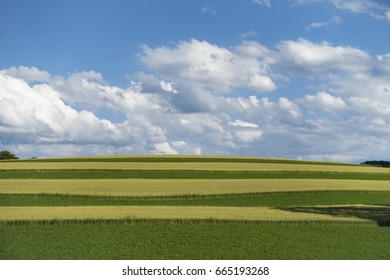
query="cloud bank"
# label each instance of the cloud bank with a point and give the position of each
(201, 98)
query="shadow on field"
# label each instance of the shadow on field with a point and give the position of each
(379, 214)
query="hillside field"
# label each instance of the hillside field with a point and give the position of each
(192, 207)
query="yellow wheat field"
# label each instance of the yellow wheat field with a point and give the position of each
(180, 156)
(180, 187)
(211, 166)
(161, 212)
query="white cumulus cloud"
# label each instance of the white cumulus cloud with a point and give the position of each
(38, 113)
(165, 148)
(306, 57)
(28, 74)
(324, 101)
(209, 65)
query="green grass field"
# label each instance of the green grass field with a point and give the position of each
(183, 207)
(156, 240)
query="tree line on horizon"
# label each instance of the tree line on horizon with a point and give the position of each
(378, 163)
(4, 155)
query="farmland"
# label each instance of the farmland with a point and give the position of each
(182, 207)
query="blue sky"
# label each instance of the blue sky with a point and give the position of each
(298, 79)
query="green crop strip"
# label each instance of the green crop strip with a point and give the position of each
(234, 200)
(185, 174)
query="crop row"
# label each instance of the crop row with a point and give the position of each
(156, 188)
(188, 166)
(12, 213)
(281, 199)
(186, 174)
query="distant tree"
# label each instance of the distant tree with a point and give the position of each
(7, 155)
(379, 163)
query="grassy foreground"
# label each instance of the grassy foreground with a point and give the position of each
(193, 241)
(174, 207)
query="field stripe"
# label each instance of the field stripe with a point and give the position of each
(281, 199)
(208, 166)
(149, 187)
(181, 158)
(161, 212)
(187, 174)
